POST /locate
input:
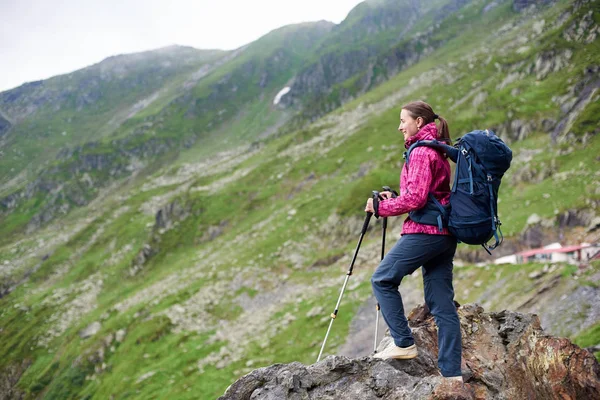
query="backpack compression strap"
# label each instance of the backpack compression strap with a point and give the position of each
(495, 221)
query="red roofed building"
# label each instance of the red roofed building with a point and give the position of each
(571, 254)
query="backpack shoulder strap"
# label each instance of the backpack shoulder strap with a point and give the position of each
(450, 151)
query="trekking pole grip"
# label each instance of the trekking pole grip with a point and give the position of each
(366, 223)
(376, 198)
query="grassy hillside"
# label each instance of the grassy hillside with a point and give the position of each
(177, 281)
(216, 105)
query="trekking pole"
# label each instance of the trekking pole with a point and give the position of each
(383, 230)
(334, 313)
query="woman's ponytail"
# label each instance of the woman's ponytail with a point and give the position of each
(444, 131)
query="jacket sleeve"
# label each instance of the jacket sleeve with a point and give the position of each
(414, 197)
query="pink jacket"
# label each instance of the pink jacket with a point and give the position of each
(429, 171)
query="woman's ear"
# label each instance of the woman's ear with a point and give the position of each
(419, 122)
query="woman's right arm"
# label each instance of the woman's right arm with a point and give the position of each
(419, 178)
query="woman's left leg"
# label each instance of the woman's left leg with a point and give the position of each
(439, 296)
(408, 254)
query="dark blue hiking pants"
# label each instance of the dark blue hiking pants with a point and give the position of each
(435, 254)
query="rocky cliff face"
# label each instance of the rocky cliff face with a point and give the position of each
(79, 172)
(368, 20)
(337, 77)
(506, 355)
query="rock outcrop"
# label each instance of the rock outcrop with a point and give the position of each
(520, 5)
(167, 217)
(4, 126)
(582, 30)
(169, 214)
(506, 355)
(9, 377)
(574, 103)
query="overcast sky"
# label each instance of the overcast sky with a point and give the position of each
(43, 38)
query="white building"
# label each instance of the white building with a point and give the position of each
(554, 253)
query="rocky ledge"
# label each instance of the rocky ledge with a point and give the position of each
(506, 355)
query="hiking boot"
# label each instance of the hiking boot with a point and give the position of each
(398, 353)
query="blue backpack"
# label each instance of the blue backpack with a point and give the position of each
(481, 160)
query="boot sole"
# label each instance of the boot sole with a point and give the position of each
(404, 357)
(399, 357)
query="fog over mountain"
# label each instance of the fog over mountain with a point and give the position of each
(39, 39)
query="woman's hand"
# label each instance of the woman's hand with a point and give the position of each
(369, 206)
(385, 195)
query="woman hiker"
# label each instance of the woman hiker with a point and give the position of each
(420, 244)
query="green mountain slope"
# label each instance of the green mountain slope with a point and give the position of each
(178, 280)
(234, 93)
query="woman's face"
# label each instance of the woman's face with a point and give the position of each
(408, 125)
